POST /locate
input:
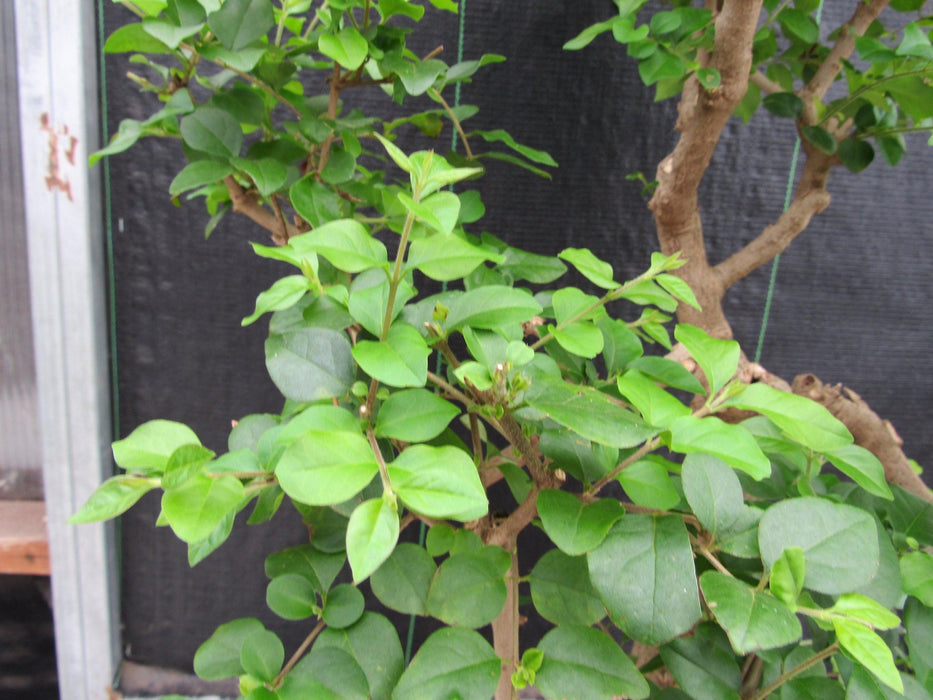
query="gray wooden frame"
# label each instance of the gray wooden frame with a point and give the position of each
(59, 126)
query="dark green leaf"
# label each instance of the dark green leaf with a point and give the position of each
(798, 26)
(856, 155)
(468, 589)
(648, 484)
(198, 174)
(291, 596)
(584, 662)
(212, 131)
(403, 580)
(783, 104)
(268, 174)
(561, 590)
(644, 560)
(219, 656)
(326, 674)
(704, 664)
(241, 22)
(343, 605)
(262, 655)
(667, 372)
(314, 201)
(453, 662)
(839, 542)
(713, 492)
(310, 363)
(820, 138)
(373, 643)
(575, 527)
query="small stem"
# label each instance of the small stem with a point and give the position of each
(477, 440)
(296, 657)
(858, 93)
(238, 475)
(281, 28)
(380, 460)
(332, 103)
(279, 214)
(454, 120)
(799, 668)
(711, 558)
(450, 389)
(649, 446)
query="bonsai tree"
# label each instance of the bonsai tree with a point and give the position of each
(714, 532)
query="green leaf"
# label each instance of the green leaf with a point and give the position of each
(839, 542)
(149, 447)
(644, 560)
(404, 579)
(865, 610)
(584, 38)
(347, 47)
(452, 662)
(446, 257)
(820, 138)
(713, 491)
(132, 38)
(783, 104)
(801, 419)
(917, 576)
(501, 136)
(212, 131)
(187, 461)
(219, 656)
(798, 26)
(787, 575)
(704, 664)
(621, 345)
(709, 78)
(915, 42)
(198, 174)
(576, 456)
(268, 174)
(561, 590)
(262, 655)
(589, 412)
(399, 360)
(731, 443)
(369, 299)
(373, 643)
(661, 65)
(195, 508)
(856, 155)
(346, 243)
(291, 597)
(648, 484)
(343, 605)
(310, 363)
(581, 661)
(371, 536)
(414, 415)
(667, 372)
(862, 467)
(492, 307)
(324, 467)
(469, 589)
(306, 560)
(113, 497)
(314, 201)
(658, 407)
(595, 270)
(129, 132)
(326, 674)
(677, 288)
(575, 527)
(753, 619)
(719, 359)
(868, 649)
(285, 293)
(239, 23)
(169, 34)
(439, 482)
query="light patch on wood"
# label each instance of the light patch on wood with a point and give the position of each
(61, 142)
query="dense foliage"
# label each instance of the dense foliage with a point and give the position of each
(705, 537)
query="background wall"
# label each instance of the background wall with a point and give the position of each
(852, 299)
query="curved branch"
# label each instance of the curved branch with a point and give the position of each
(764, 83)
(246, 203)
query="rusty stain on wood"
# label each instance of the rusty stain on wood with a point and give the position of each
(55, 179)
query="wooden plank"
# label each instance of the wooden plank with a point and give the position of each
(57, 53)
(24, 544)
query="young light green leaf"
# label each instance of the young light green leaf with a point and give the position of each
(446, 257)
(149, 447)
(589, 412)
(713, 491)
(132, 38)
(262, 655)
(310, 363)
(561, 590)
(239, 23)
(492, 307)
(469, 589)
(399, 360)
(916, 575)
(580, 662)
(439, 482)
(532, 154)
(862, 467)
(753, 619)
(346, 243)
(595, 270)
(839, 542)
(371, 537)
(285, 293)
(576, 528)
(731, 443)
(196, 507)
(678, 289)
(115, 496)
(648, 484)
(798, 417)
(325, 467)
(452, 662)
(347, 47)
(719, 359)
(642, 560)
(403, 580)
(219, 656)
(414, 415)
(865, 610)
(658, 407)
(395, 153)
(787, 576)
(868, 649)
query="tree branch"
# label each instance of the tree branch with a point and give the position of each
(246, 202)
(764, 83)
